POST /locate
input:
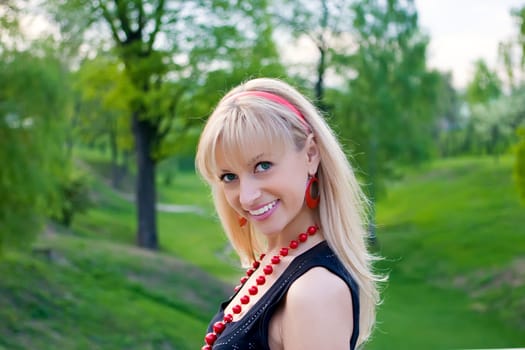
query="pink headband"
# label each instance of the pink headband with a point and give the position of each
(275, 98)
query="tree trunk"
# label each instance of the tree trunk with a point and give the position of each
(319, 85)
(144, 132)
(321, 65)
(373, 183)
(114, 158)
(372, 235)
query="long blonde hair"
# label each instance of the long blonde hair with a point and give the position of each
(237, 122)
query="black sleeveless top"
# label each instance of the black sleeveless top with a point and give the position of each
(251, 331)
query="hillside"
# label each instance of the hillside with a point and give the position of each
(452, 235)
(78, 293)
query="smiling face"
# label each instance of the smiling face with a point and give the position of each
(266, 184)
(256, 155)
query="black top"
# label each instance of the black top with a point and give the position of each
(251, 331)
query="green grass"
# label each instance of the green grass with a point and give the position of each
(196, 237)
(452, 234)
(90, 294)
(466, 213)
(419, 316)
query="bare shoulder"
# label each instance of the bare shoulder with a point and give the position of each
(317, 313)
(318, 283)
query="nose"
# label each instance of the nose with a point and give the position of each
(249, 192)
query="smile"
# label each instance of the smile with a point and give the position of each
(263, 209)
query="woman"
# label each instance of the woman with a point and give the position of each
(291, 207)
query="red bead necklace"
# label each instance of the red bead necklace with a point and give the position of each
(219, 326)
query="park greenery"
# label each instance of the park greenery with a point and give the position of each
(99, 117)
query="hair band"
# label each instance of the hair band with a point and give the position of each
(277, 99)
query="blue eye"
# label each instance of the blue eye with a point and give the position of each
(229, 177)
(262, 166)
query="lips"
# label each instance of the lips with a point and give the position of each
(264, 209)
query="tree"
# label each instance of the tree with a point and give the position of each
(328, 25)
(519, 165)
(166, 48)
(9, 26)
(485, 85)
(33, 106)
(102, 109)
(389, 109)
(451, 121)
(494, 123)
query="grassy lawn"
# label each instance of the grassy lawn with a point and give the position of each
(95, 294)
(452, 235)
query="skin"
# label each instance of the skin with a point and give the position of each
(316, 314)
(317, 310)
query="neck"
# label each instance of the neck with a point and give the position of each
(291, 232)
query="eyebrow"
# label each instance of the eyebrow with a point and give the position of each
(250, 162)
(256, 158)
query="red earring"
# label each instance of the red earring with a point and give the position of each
(311, 195)
(242, 221)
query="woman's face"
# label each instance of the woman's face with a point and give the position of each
(267, 187)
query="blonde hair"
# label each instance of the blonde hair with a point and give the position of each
(237, 122)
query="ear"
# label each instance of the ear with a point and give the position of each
(313, 157)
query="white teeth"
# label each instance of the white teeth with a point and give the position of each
(264, 209)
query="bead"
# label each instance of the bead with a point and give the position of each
(242, 221)
(218, 327)
(268, 269)
(210, 338)
(237, 309)
(237, 287)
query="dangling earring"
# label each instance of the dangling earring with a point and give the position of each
(311, 195)
(242, 221)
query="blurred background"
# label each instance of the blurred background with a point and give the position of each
(109, 240)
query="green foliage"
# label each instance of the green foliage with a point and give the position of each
(74, 198)
(451, 122)
(388, 109)
(485, 85)
(493, 123)
(172, 74)
(104, 94)
(515, 67)
(490, 127)
(167, 50)
(33, 106)
(9, 24)
(102, 113)
(327, 24)
(519, 165)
